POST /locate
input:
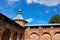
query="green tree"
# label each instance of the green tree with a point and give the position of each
(55, 19)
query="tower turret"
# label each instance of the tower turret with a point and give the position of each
(19, 19)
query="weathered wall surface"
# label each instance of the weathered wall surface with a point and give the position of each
(10, 31)
(42, 33)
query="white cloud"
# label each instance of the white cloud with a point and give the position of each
(45, 2)
(35, 1)
(30, 19)
(29, 1)
(12, 1)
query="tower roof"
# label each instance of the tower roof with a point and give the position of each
(19, 15)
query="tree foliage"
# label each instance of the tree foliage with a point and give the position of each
(55, 19)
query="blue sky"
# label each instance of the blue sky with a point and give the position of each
(33, 11)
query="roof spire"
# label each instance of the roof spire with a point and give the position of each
(19, 15)
(19, 19)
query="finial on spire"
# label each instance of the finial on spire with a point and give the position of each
(19, 11)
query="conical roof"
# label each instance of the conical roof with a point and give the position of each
(19, 15)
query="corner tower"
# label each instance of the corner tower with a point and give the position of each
(19, 19)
